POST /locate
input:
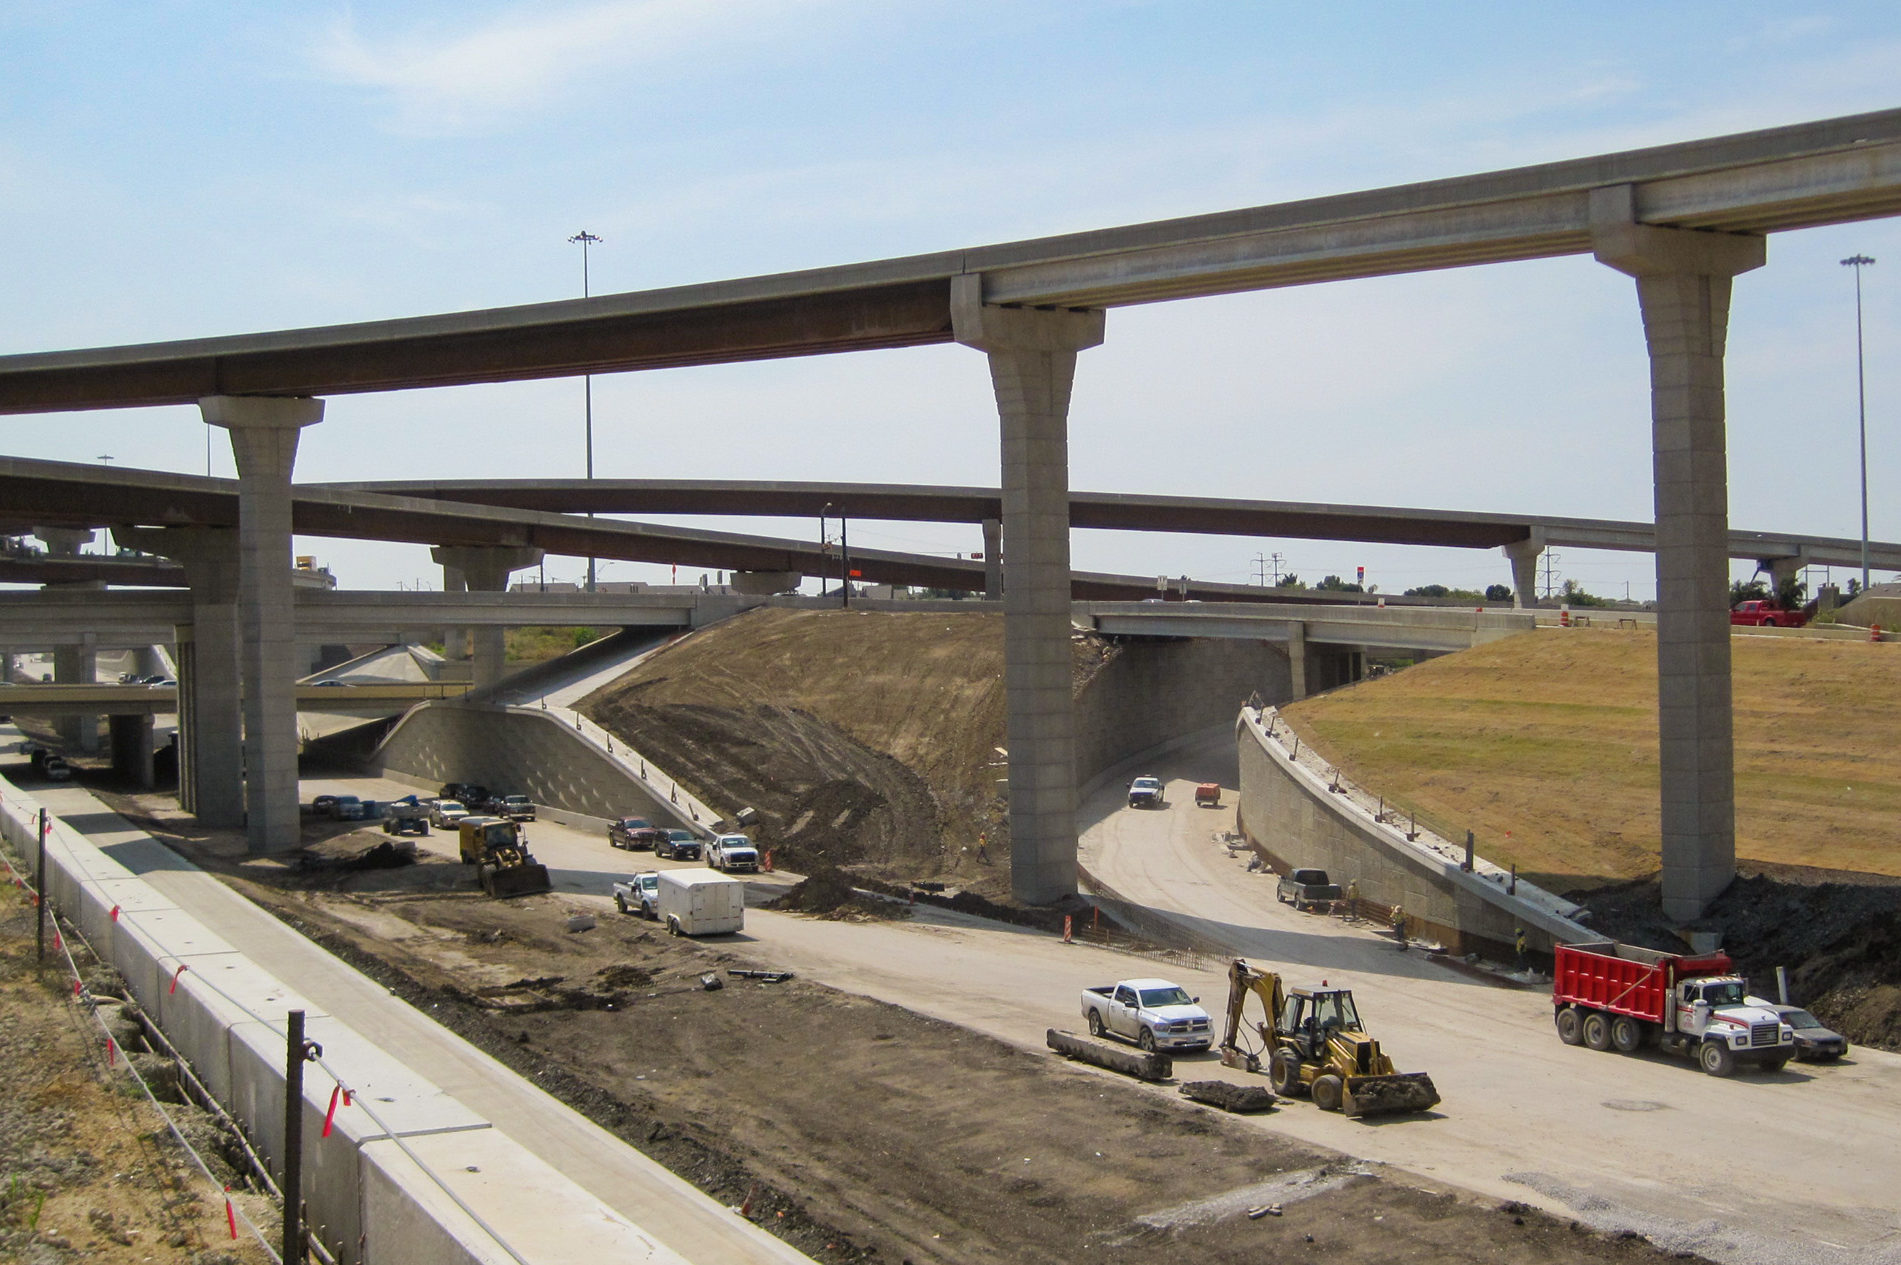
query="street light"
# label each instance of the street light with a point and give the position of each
(587, 382)
(824, 549)
(1858, 262)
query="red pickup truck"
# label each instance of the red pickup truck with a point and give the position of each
(1754, 614)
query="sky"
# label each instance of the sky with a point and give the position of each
(177, 170)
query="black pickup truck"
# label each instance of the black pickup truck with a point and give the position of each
(1309, 889)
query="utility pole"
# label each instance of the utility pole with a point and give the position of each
(1276, 559)
(1858, 262)
(587, 382)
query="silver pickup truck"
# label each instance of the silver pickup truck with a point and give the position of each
(1153, 1013)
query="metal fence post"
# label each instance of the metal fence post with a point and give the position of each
(297, 1051)
(39, 896)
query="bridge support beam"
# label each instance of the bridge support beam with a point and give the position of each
(73, 665)
(1032, 366)
(1683, 288)
(485, 569)
(1297, 660)
(210, 710)
(132, 747)
(264, 433)
(1524, 555)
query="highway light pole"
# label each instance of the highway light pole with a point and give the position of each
(1858, 262)
(824, 550)
(587, 382)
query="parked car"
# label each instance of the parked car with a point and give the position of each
(639, 894)
(346, 808)
(1309, 889)
(631, 833)
(321, 806)
(445, 813)
(1814, 1043)
(733, 853)
(1146, 792)
(680, 845)
(1153, 1013)
(55, 769)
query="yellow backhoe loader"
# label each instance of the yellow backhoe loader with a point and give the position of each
(499, 853)
(1313, 1044)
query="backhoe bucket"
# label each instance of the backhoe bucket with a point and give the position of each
(1385, 1095)
(522, 880)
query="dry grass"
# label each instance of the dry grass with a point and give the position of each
(1546, 746)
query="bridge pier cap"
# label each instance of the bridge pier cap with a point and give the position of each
(1683, 292)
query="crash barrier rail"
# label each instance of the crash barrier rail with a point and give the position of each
(383, 1182)
(1456, 865)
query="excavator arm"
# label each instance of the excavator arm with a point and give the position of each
(1244, 979)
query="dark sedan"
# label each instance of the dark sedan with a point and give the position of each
(1813, 1042)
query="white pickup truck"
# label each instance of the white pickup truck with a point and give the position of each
(1153, 1013)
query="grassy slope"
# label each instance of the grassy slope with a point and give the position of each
(1546, 746)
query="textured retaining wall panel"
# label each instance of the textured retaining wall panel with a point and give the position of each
(1156, 691)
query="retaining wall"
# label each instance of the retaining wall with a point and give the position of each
(1153, 692)
(383, 1186)
(1291, 816)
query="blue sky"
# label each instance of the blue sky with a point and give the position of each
(173, 170)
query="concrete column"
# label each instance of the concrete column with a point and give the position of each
(73, 665)
(210, 711)
(264, 441)
(1297, 659)
(1783, 570)
(1524, 555)
(455, 641)
(132, 747)
(1032, 365)
(993, 560)
(485, 569)
(1683, 288)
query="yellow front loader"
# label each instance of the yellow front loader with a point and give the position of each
(498, 851)
(1314, 1045)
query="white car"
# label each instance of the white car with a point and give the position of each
(1146, 792)
(732, 853)
(444, 813)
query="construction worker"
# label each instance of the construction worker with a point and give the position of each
(1523, 946)
(1399, 927)
(1353, 898)
(983, 848)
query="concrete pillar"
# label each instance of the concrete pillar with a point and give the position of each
(1297, 659)
(485, 569)
(73, 665)
(1783, 570)
(993, 560)
(132, 747)
(1524, 555)
(210, 710)
(264, 441)
(1683, 287)
(1032, 365)
(455, 641)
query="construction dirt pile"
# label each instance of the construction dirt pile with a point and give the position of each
(870, 740)
(1838, 935)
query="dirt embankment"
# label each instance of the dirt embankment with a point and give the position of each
(870, 740)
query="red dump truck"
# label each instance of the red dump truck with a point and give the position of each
(1618, 996)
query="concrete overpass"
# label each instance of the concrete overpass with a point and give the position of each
(1682, 220)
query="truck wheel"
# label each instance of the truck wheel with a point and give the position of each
(1597, 1030)
(1146, 1039)
(1627, 1035)
(1570, 1026)
(1328, 1090)
(673, 926)
(1283, 1073)
(1095, 1023)
(620, 902)
(1715, 1058)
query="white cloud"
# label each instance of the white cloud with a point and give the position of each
(447, 80)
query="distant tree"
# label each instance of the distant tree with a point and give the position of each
(1573, 594)
(1854, 586)
(1750, 590)
(1428, 590)
(1334, 584)
(1498, 592)
(1792, 593)
(1291, 581)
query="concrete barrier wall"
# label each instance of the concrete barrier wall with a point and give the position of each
(368, 1199)
(1290, 816)
(1153, 692)
(518, 750)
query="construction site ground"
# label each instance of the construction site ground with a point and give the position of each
(856, 1130)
